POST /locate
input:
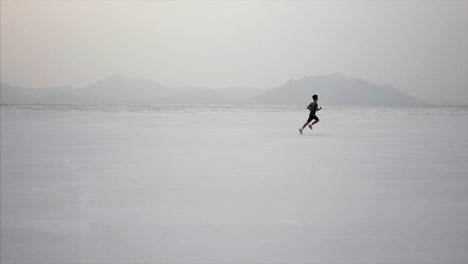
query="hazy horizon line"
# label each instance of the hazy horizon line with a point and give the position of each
(189, 85)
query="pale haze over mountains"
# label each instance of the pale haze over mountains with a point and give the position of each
(418, 47)
(333, 89)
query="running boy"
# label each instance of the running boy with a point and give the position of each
(313, 107)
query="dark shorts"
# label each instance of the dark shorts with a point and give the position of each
(312, 117)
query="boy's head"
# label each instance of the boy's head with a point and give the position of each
(315, 97)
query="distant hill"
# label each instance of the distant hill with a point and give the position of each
(119, 89)
(336, 89)
(20, 95)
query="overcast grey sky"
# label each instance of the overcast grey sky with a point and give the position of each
(420, 47)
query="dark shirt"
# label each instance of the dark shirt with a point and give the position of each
(313, 108)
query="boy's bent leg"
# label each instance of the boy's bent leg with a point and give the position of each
(316, 120)
(308, 121)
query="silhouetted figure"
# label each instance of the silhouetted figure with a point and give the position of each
(313, 107)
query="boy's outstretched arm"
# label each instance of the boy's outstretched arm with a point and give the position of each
(318, 109)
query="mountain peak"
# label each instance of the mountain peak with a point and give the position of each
(337, 89)
(116, 77)
(337, 75)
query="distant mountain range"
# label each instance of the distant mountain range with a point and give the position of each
(333, 89)
(337, 89)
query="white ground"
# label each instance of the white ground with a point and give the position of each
(174, 184)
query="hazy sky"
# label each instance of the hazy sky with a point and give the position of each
(420, 47)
